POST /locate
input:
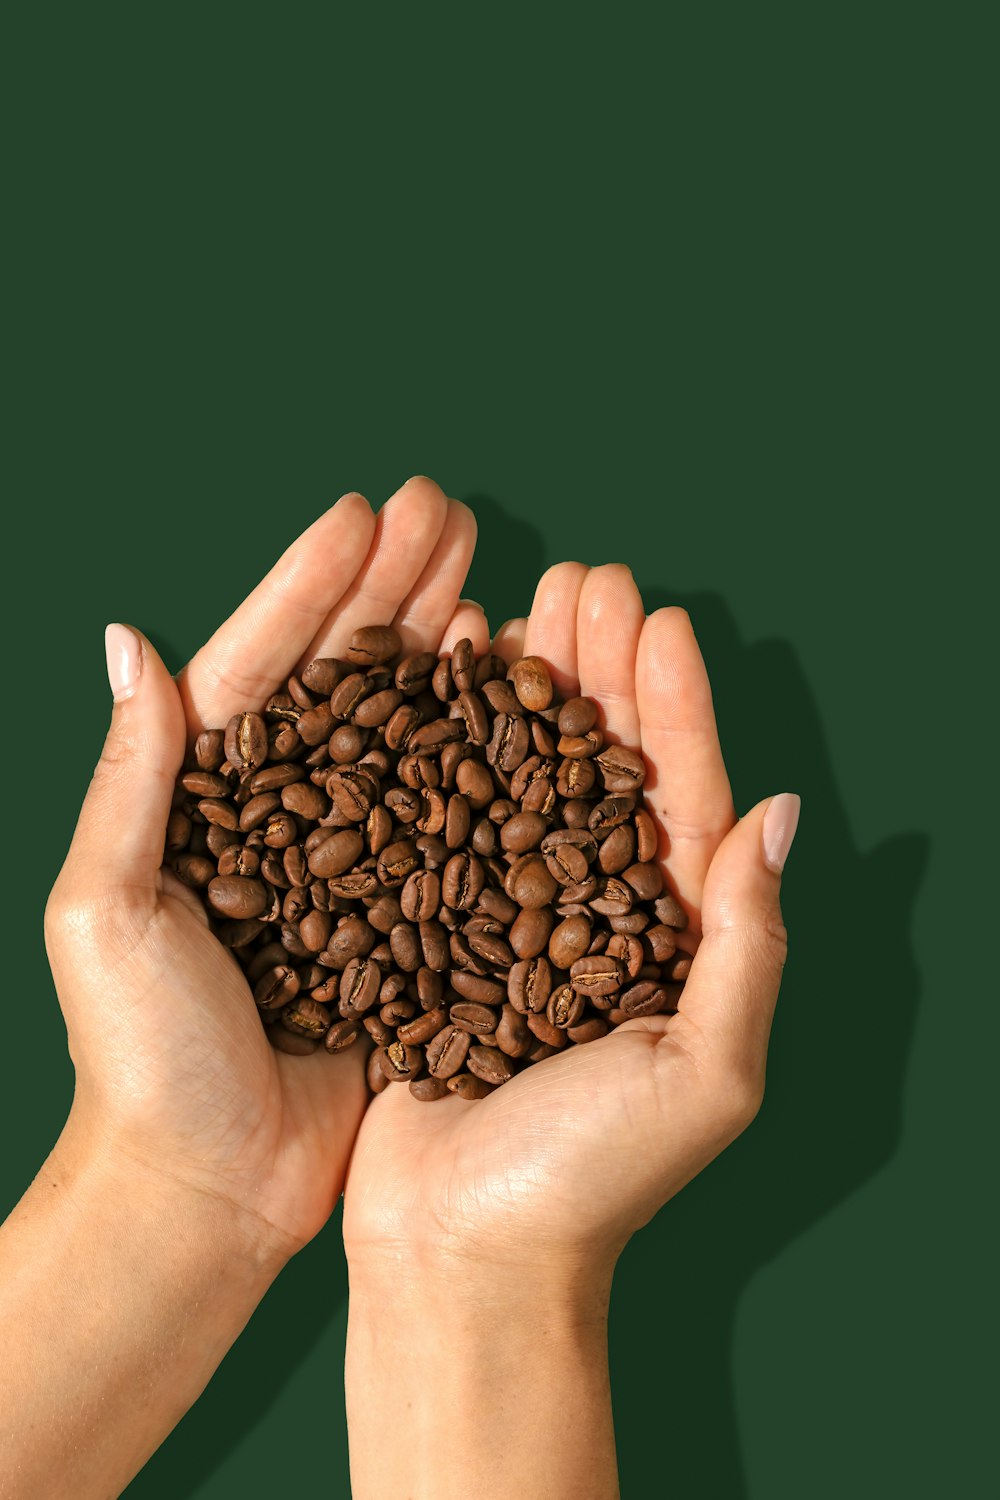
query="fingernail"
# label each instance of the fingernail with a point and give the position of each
(780, 822)
(124, 661)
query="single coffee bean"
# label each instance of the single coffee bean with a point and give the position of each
(210, 750)
(276, 987)
(306, 1016)
(529, 882)
(529, 932)
(532, 683)
(413, 674)
(529, 985)
(423, 1027)
(473, 1018)
(565, 1007)
(446, 1052)
(569, 941)
(598, 975)
(245, 741)
(360, 984)
(490, 1064)
(512, 1034)
(577, 716)
(374, 644)
(193, 869)
(236, 897)
(427, 1089)
(643, 999)
(468, 1086)
(622, 770)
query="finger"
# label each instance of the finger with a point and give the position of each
(469, 620)
(551, 632)
(508, 642)
(687, 783)
(407, 529)
(609, 622)
(259, 644)
(727, 1005)
(122, 826)
(423, 615)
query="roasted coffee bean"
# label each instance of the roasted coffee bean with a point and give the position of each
(374, 644)
(306, 1016)
(565, 1007)
(490, 1064)
(570, 941)
(472, 1017)
(210, 749)
(360, 984)
(467, 1086)
(532, 683)
(577, 716)
(427, 1089)
(237, 897)
(446, 1052)
(276, 987)
(643, 999)
(529, 985)
(445, 851)
(245, 741)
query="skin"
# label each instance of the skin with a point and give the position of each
(478, 1227)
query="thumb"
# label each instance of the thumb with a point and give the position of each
(122, 826)
(733, 985)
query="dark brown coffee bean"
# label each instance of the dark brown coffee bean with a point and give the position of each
(400, 1063)
(314, 930)
(532, 683)
(307, 1017)
(360, 984)
(238, 860)
(428, 1089)
(565, 1007)
(209, 749)
(541, 1027)
(529, 882)
(463, 664)
(669, 911)
(613, 897)
(446, 1052)
(374, 644)
(629, 951)
(305, 800)
(462, 881)
(522, 832)
(567, 864)
(569, 941)
(529, 985)
(472, 1017)
(245, 741)
(475, 783)
(659, 942)
(590, 1030)
(322, 675)
(643, 999)
(413, 674)
(404, 940)
(646, 836)
(420, 897)
(646, 880)
(378, 708)
(577, 716)
(622, 770)
(345, 698)
(490, 947)
(336, 853)
(598, 975)
(512, 1034)
(490, 1064)
(397, 862)
(258, 810)
(457, 821)
(423, 1027)
(467, 1086)
(380, 1033)
(195, 870)
(477, 987)
(377, 1080)
(508, 746)
(617, 851)
(529, 933)
(205, 784)
(679, 967)
(477, 723)
(340, 1036)
(272, 778)
(237, 897)
(434, 945)
(575, 778)
(276, 987)
(222, 814)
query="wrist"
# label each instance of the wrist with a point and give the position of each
(101, 1172)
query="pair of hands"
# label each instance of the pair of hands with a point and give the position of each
(176, 1081)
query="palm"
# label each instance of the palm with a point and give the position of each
(183, 1073)
(537, 1149)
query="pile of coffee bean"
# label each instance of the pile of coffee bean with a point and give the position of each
(433, 851)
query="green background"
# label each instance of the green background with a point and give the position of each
(705, 292)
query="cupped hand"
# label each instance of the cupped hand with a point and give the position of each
(566, 1160)
(174, 1075)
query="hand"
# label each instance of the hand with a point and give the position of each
(175, 1078)
(558, 1167)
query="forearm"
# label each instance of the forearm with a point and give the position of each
(119, 1296)
(461, 1384)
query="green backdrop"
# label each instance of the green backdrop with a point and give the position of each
(705, 292)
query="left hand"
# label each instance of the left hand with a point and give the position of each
(175, 1079)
